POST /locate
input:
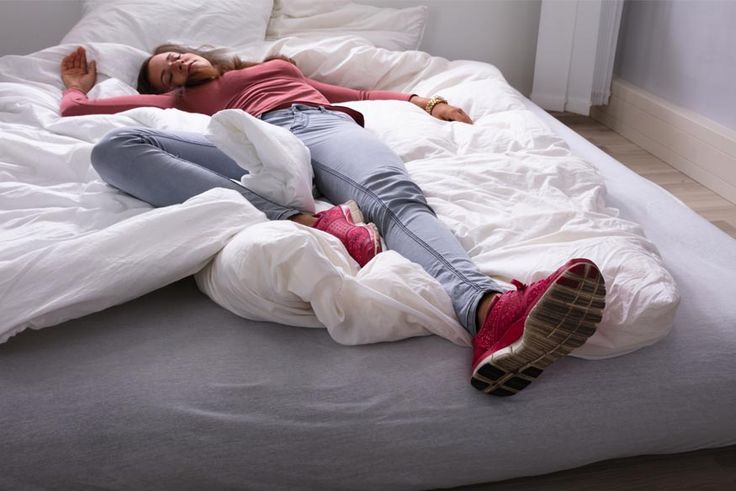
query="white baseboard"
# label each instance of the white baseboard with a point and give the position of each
(689, 142)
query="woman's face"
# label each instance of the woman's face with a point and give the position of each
(169, 70)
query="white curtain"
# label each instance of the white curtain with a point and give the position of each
(576, 48)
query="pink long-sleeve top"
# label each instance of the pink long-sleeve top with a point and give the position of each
(275, 84)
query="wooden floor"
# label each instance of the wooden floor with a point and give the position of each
(717, 210)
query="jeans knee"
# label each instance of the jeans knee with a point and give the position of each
(391, 192)
(109, 151)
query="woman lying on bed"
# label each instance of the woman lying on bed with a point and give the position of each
(516, 334)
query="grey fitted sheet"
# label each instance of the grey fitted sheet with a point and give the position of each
(170, 391)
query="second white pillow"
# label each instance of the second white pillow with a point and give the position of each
(389, 28)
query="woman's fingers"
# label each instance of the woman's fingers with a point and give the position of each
(81, 60)
(77, 72)
(92, 70)
(457, 114)
(68, 61)
(75, 63)
(464, 117)
(76, 59)
(447, 112)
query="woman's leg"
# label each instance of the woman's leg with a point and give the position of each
(526, 329)
(165, 168)
(351, 163)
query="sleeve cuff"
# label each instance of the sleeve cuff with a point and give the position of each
(70, 89)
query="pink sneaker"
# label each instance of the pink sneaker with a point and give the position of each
(529, 328)
(346, 223)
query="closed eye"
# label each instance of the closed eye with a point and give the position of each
(163, 76)
(166, 75)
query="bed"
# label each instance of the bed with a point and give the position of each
(139, 380)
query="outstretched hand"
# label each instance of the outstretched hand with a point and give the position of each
(442, 110)
(77, 73)
(447, 112)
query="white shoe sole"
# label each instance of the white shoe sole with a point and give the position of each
(354, 212)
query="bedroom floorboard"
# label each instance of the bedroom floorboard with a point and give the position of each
(717, 210)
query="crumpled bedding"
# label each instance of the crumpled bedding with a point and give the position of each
(278, 164)
(510, 190)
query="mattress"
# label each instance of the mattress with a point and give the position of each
(171, 391)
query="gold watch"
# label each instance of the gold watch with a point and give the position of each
(437, 99)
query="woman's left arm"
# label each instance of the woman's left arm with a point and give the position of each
(336, 93)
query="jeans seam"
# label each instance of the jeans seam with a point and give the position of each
(403, 227)
(286, 208)
(171, 137)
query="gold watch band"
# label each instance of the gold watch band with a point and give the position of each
(433, 101)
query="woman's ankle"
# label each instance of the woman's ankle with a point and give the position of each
(484, 307)
(304, 219)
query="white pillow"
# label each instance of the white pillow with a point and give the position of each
(145, 24)
(305, 8)
(389, 28)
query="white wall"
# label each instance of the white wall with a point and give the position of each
(31, 25)
(684, 52)
(500, 32)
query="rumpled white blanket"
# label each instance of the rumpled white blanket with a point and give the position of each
(278, 163)
(511, 191)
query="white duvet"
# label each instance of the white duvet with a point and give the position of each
(511, 191)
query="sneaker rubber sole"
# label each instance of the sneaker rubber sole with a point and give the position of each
(355, 215)
(377, 248)
(565, 316)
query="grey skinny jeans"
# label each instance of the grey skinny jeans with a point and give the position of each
(164, 168)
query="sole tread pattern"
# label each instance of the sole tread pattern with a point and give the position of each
(562, 320)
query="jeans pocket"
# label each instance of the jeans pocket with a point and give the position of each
(301, 120)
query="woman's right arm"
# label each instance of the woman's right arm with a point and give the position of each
(75, 103)
(79, 77)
